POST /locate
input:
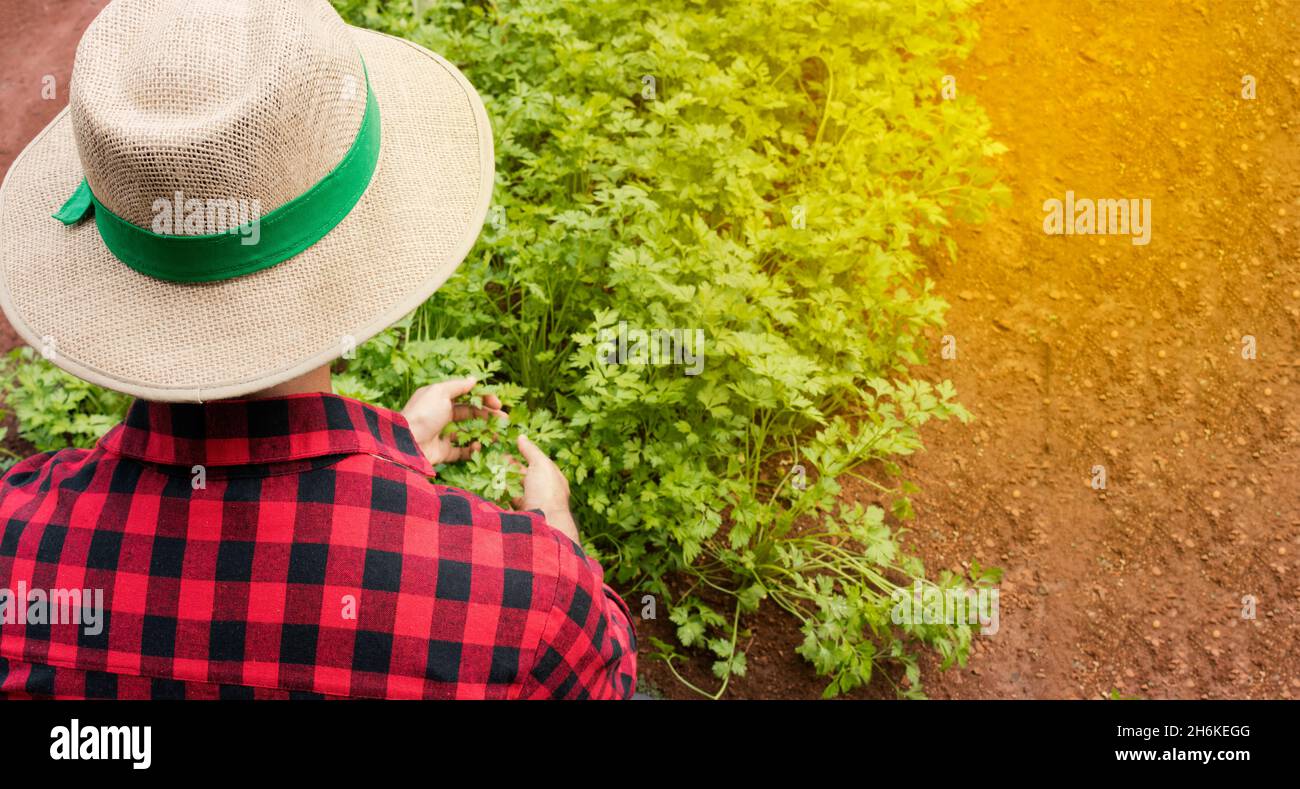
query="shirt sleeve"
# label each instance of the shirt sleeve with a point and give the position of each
(588, 646)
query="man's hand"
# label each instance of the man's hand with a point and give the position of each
(433, 407)
(546, 489)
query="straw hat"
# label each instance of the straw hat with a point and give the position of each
(265, 187)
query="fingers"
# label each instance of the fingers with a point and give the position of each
(460, 412)
(459, 387)
(530, 451)
(518, 501)
(455, 454)
(456, 387)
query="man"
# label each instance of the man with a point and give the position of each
(245, 533)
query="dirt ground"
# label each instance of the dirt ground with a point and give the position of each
(1083, 351)
(1075, 352)
(37, 40)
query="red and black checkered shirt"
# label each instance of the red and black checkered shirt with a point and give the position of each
(282, 548)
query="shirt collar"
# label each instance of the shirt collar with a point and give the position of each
(264, 430)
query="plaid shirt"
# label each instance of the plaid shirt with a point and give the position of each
(290, 547)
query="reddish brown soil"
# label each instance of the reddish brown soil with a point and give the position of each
(1081, 351)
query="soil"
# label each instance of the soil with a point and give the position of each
(37, 40)
(1073, 352)
(1084, 351)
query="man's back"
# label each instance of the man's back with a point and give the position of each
(285, 547)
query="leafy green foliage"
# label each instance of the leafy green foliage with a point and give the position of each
(655, 163)
(54, 409)
(764, 171)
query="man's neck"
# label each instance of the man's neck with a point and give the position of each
(317, 380)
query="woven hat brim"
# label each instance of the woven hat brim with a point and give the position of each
(64, 292)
